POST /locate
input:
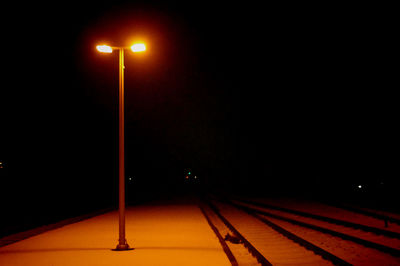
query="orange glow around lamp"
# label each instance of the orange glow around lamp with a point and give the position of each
(138, 47)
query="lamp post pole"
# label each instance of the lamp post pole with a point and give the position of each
(122, 244)
(139, 47)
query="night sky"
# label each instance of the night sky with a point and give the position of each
(275, 97)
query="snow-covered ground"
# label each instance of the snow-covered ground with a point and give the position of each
(351, 252)
(179, 234)
(380, 239)
(160, 234)
(275, 247)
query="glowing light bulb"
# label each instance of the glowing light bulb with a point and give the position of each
(138, 47)
(104, 48)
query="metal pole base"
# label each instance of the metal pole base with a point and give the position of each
(122, 247)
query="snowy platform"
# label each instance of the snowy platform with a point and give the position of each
(173, 234)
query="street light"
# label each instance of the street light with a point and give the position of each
(139, 47)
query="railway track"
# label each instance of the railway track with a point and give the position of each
(366, 228)
(370, 212)
(275, 240)
(388, 243)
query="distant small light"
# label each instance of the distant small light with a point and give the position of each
(195, 177)
(359, 186)
(186, 177)
(130, 178)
